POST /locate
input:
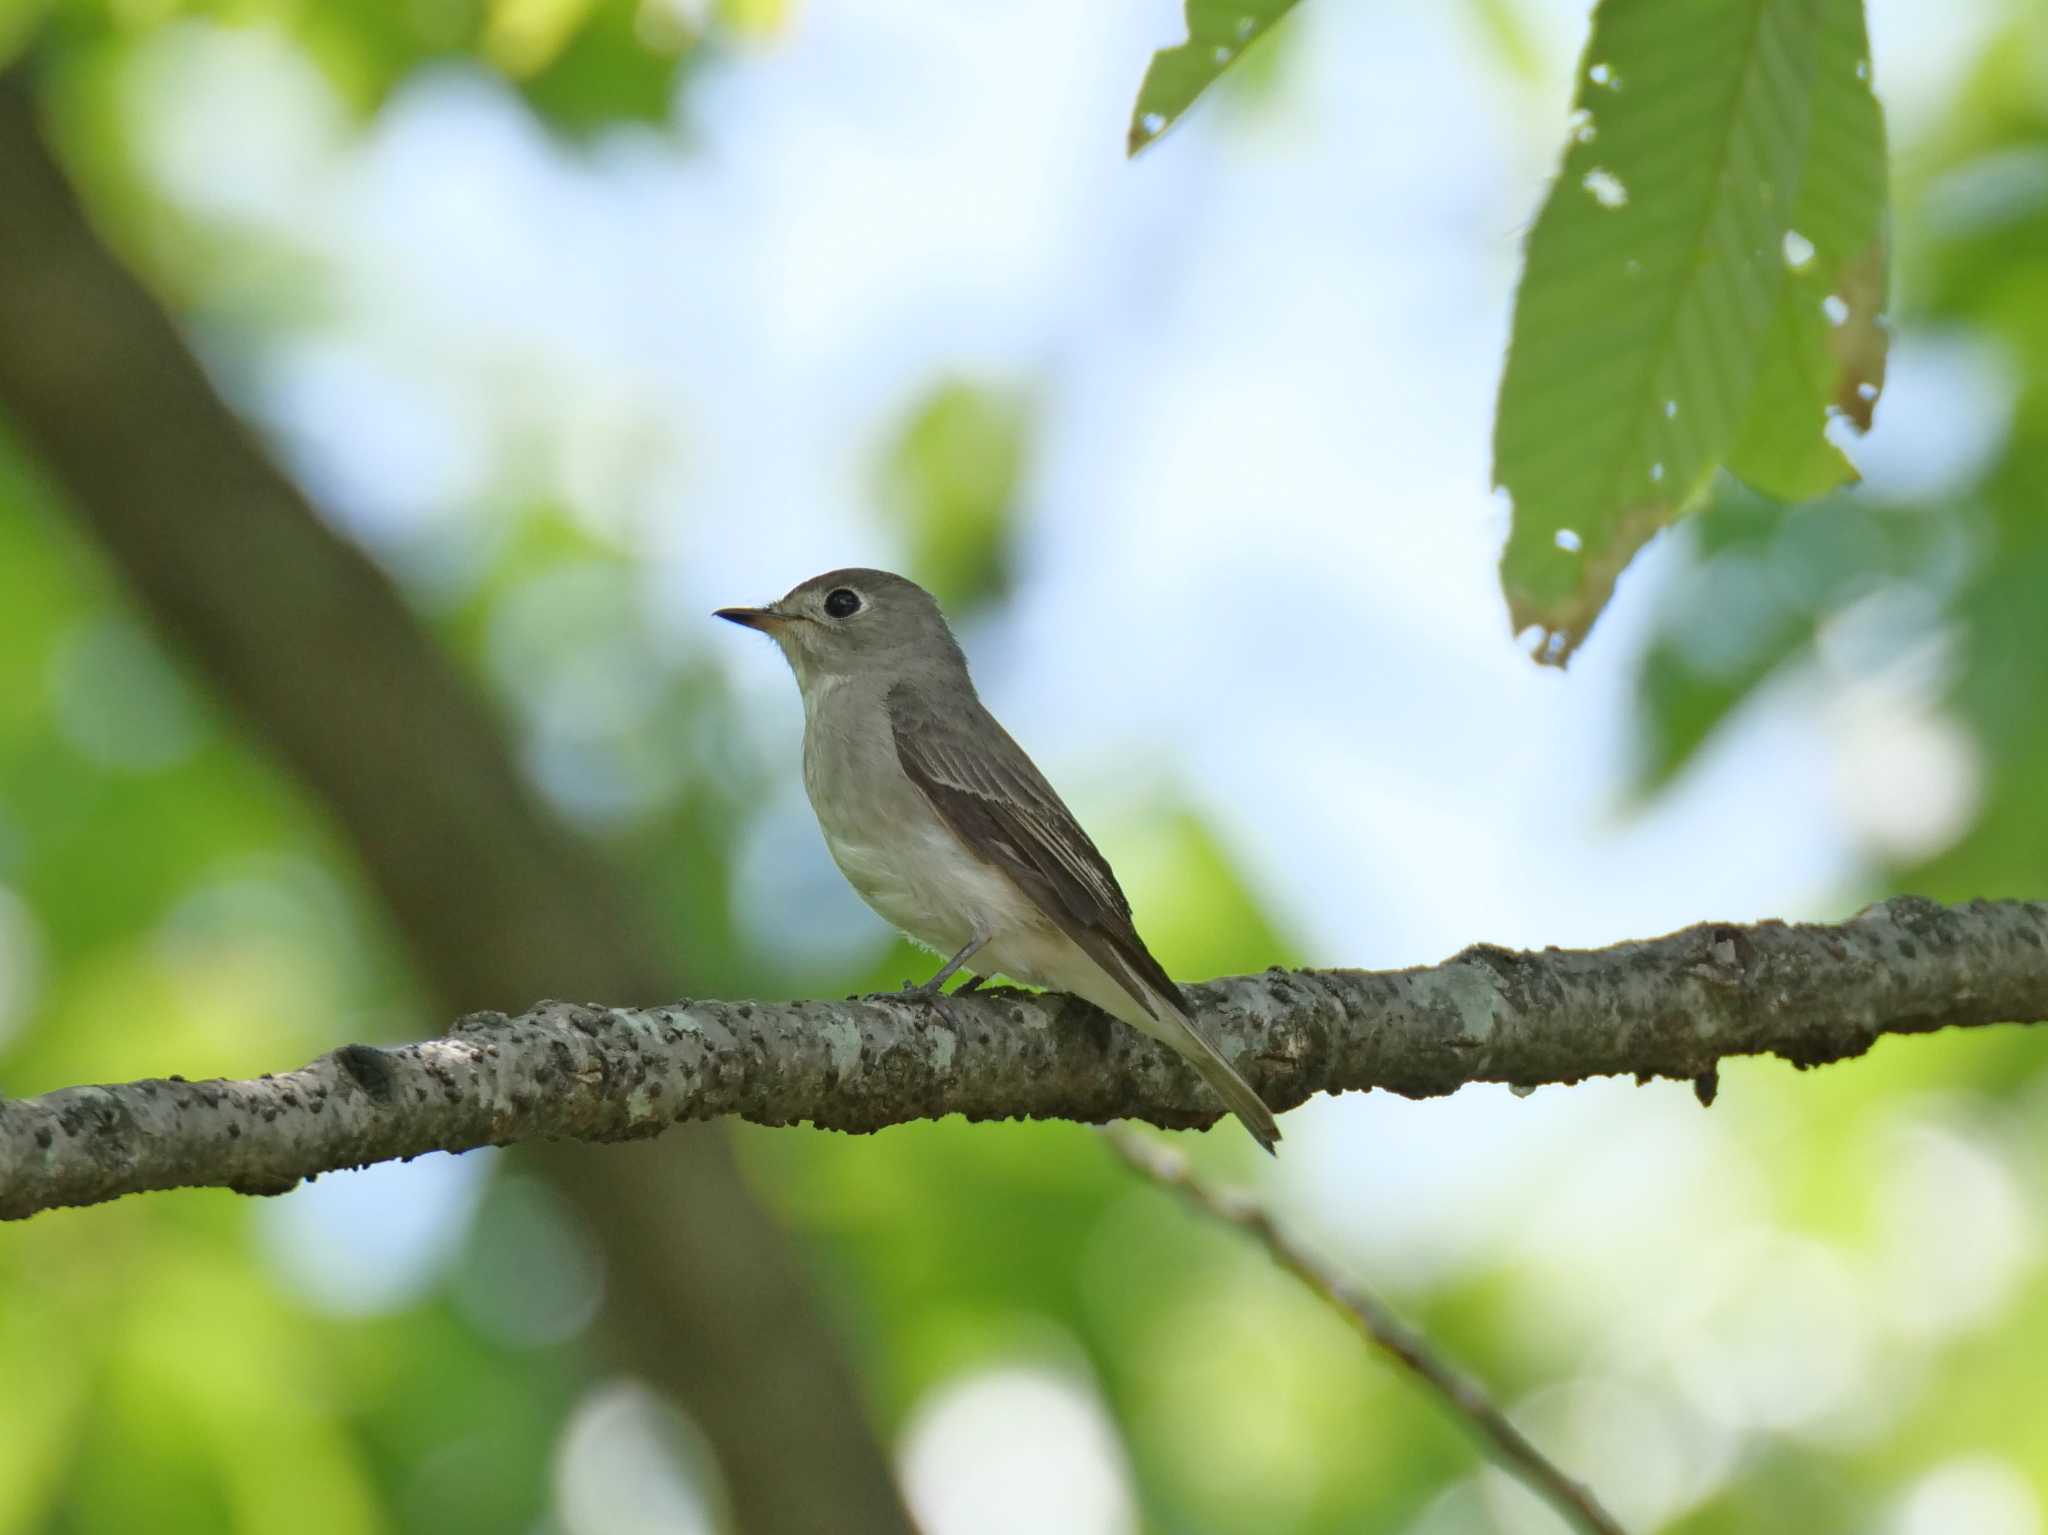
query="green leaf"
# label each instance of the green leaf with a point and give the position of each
(1826, 351)
(1654, 277)
(1219, 32)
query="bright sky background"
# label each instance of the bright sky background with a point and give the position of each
(1259, 558)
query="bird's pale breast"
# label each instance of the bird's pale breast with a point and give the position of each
(911, 868)
(893, 849)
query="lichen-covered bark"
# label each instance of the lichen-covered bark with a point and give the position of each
(1669, 1007)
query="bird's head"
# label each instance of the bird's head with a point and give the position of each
(856, 623)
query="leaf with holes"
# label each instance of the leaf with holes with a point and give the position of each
(1825, 354)
(1219, 31)
(1654, 281)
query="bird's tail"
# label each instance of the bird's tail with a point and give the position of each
(1152, 1004)
(1236, 1093)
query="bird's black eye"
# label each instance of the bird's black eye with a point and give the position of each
(842, 602)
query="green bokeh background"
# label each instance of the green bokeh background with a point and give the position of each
(176, 903)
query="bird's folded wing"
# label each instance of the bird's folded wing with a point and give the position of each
(995, 800)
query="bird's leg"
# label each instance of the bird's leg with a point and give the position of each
(932, 992)
(947, 970)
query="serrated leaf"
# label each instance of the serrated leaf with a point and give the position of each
(1654, 275)
(1826, 351)
(1219, 32)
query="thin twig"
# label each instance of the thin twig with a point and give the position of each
(1466, 1401)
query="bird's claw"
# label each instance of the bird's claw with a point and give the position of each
(930, 995)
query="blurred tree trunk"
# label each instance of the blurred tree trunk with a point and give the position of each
(500, 903)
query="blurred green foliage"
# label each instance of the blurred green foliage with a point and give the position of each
(175, 876)
(195, 889)
(950, 481)
(583, 64)
(182, 908)
(1764, 581)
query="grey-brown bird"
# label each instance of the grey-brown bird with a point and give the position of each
(943, 825)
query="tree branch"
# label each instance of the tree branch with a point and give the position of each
(1461, 1396)
(1666, 1007)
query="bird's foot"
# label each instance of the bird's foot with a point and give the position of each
(929, 993)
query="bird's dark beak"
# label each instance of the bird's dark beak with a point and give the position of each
(764, 619)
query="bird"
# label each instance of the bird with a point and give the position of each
(944, 826)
